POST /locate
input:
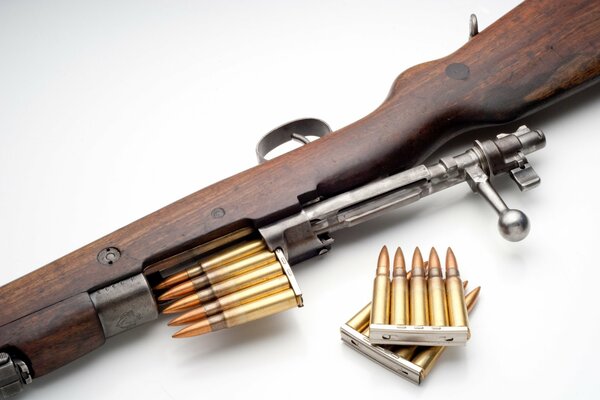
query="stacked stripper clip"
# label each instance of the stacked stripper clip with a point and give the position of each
(413, 316)
(234, 285)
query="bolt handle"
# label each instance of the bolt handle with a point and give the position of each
(512, 224)
(506, 154)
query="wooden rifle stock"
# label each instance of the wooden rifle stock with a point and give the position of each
(536, 54)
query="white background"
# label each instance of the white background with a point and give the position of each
(111, 110)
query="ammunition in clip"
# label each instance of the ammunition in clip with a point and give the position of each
(428, 356)
(428, 322)
(216, 260)
(410, 362)
(438, 311)
(381, 289)
(219, 274)
(260, 308)
(419, 313)
(399, 310)
(226, 287)
(457, 309)
(234, 299)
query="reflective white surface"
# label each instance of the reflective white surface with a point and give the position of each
(111, 110)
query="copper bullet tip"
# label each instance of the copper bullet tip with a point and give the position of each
(450, 259)
(189, 317)
(417, 260)
(383, 262)
(172, 280)
(399, 263)
(182, 304)
(199, 328)
(384, 257)
(434, 259)
(475, 292)
(471, 298)
(163, 297)
(177, 291)
(418, 267)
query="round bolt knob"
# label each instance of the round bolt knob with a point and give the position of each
(513, 225)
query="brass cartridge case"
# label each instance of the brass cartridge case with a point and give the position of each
(438, 310)
(428, 356)
(405, 352)
(236, 252)
(262, 273)
(250, 294)
(184, 257)
(245, 313)
(399, 309)
(235, 268)
(380, 308)
(233, 253)
(456, 304)
(381, 300)
(226, 287)
(436, 290)
(261, 308)
(419, 311)
(219, 274)
(457, 309)
(361, 319)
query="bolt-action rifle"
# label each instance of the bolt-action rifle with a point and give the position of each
(267, 216)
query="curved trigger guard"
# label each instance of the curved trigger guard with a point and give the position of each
(295, 130)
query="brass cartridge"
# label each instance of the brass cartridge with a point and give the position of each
(360, 320)
(222, 257)
(438, 310)
(428, 356)
(419, 312)
(457, 309)
(186, 257)
(250, 294)
(239, 315)
(226, 287)
(233, 253)
(219, 274)
(399, 309)
(405, 352)
(381, 289)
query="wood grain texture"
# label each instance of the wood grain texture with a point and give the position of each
(56, 335)
(536, 54)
